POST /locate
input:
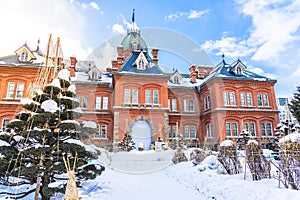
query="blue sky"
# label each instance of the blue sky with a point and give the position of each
(264, 34)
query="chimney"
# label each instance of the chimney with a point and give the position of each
(120, 50)
(154, 55)
(193, 74)
(73, 62)
(119, 61)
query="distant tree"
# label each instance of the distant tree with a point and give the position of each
(127, 144)
(294, 106)
(47, 131)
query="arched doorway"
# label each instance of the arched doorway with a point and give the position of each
(141, 133)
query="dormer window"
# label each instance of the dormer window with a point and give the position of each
(94, 76)
(141, 65)
(176, 80)
(239, 71)
(141, 62)
(134, 46)
(24, 56)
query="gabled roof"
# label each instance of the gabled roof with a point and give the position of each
(130, 65)
(228, 71)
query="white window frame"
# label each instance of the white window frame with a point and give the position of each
(249, 99)
(226, 98)
(259, 100)
(135, 96)
(98, 103)
(263, 129)
(20, 90)
(191, 106)
(84, 101)
(174, 104)
(252, 129)
(232, 98)
(269, 129)
(185, 105)
(10, 90)
(228, 129)
(235, 129)
(155, 96)
(105, 103)
(243, 99)
(265, 100)
(209, 131)
(127, 96)
(148, 95)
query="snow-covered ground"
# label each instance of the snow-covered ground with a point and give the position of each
(151, 175)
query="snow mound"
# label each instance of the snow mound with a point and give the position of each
(49, 106)
(70, 122)
(293, 137)
(3, 143)
(72, 88)
(252, 142)
(25, 101)
(64, 74)
(18, 138)
(226, 143)
(73, 141)
(89, 124)
(92, 148)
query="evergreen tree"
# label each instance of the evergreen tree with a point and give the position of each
(49, 133)
(127, 143)
(294, 106)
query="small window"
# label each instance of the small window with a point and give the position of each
(238, 71)
(103, 131)
(4, 124)
(209, 130)
(232, 98)
(84, 102)
(94, 76)
(176, 80)
(259, 100)
(192, 106)
(235, 128)
(252, 129)
(155, 97)
(148, 97)
(174, 105)
(127, 96)
(185, 105)
(225, 98)
(186, 131)
(98, 103)
(105, 103)
(135, 96)
(269, 129)
(243, 98)
(20, 90)
(249, 99)
(24, 56)
(10, 90)
(263, 129)
(193, 132)
(228, 129)
(266, 100)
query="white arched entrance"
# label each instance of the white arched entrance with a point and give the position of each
(141, 133)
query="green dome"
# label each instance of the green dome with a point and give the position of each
(134, 41)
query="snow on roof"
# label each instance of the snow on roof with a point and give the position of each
(185, 82)
(252, 142)
(84, 77)
(226, 143)
(89, 124)
(70, 122)
(3, 143)
(49, 106)
(73, 141)
(72, 88)
(293, 137)
(64, 74)
(78, 110)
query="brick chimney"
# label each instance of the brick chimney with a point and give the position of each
(120, 50)
(73, 62)
(193, 73)
(154, 55)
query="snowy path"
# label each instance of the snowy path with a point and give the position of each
(157, 185)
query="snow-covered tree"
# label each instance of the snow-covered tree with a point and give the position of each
(47, 131)
(127, 144)
(294, 106)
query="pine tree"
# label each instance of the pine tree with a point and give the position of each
(127, 144)
(294, 106)
(49, 133)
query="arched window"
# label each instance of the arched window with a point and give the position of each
(24, 56)
(239, 71)
(141, 64)
(176, 80)
(94, 76)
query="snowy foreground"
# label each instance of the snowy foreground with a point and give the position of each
(150, 175)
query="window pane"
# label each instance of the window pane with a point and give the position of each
(208, 102)
(148, 96)
(84, 102)
(174, 105)
(98, 103)
(269, 127)
(105, 103)
(246, 126)
(135, 98)
(266, 100)
(225, 96)
(20, 90)
(205, 103)
(186, 131)
(185, 105)
(263, 129)
(259, 100)
(192, 107)
(235, 129)
(10, 90)
(35, 88)
(4, 124)
(169, 104)
(155, 96)
(228, 129)
(232, 98)
(249, 99)
(252, 129)
(127, 96)
(97, 134)
(104, 131)
(243, 99)
(193, 131)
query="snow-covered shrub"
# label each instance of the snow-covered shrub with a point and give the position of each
(228, 159)
(258, 164)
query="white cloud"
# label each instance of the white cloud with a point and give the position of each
(94, 6)
(118, 28)
(274, 24)
(30, 23)
(192, 14)
(260, 71)
(230, 46)
(121, 28)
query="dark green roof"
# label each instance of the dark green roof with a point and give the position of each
(134, 37)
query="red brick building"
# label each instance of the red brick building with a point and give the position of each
(207, 105)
